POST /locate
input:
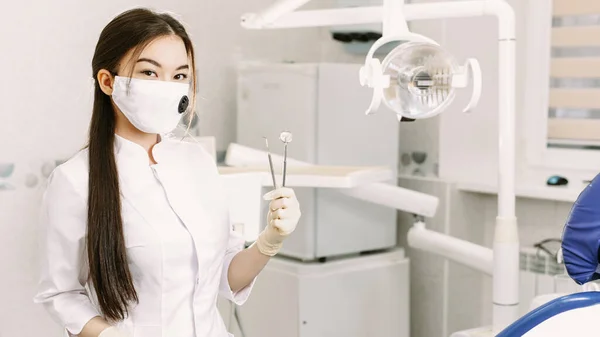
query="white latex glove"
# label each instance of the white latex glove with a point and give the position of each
(113, 332)
(282, 219)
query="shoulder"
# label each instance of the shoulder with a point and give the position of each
(71, 175)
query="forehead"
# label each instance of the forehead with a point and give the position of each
(169, 51)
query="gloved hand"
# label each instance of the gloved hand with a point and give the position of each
(284, 214)
(112, 332)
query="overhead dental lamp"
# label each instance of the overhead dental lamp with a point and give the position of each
(418, 79)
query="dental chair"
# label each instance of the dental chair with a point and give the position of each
(576, 314)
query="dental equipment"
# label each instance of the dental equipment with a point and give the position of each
(285, 137)
(381, 77)
(270, 163)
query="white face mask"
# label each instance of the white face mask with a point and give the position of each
(152, 106)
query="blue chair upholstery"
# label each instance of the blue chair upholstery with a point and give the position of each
(548, 310)
(581, 235)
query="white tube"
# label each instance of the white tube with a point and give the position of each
(448, 9)
(458, 9)
(461, 251)
(506, 18)
(506, 123)
(318, 18)
(278, 19)
(272, 13)
(506, 238)
(506, 268)
(393, 18)
(395, 197)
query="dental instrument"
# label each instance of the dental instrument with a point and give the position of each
(285, 137)
(406, 64)
(270, 163)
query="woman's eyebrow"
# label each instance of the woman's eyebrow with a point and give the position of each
(185, 66)
(149, 61)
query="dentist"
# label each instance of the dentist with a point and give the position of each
(136, 235)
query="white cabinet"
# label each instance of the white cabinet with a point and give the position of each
(353, 297)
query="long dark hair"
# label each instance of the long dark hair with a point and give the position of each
(109, 270)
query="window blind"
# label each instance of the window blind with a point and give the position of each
(574, 97)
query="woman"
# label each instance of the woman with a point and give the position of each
(136, 232)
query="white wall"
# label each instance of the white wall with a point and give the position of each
(45, 105)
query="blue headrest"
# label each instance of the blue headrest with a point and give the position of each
(581, 235)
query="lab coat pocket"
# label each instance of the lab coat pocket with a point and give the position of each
(147, 331)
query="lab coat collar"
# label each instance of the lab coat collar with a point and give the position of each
(133, 163)
(133, 153)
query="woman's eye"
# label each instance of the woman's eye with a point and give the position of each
(148, 73)
(180, 77)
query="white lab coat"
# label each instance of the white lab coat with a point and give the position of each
(177, 233)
